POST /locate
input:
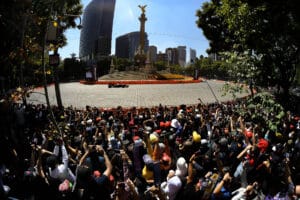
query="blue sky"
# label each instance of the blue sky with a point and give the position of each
(170, 23)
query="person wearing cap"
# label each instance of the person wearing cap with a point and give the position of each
(240, 171)
(247, 131)
(176, 125)
(181, 168)
(160, 157)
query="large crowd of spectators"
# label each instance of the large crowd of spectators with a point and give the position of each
(204, 151)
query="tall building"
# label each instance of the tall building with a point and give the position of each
(192, 55)
(172, 55)
(163, 57)
(181, 55)
(96, 32)
(152, 54)
(128, 44)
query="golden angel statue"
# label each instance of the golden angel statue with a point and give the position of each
(143, 8)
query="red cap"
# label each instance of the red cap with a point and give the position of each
(248, 134)
(166, 157)
(96, 173)
(131, 122)
(262, 145)
(167, 124)
(136, 138)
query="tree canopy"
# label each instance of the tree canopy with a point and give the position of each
(25, 23)
(262, 36)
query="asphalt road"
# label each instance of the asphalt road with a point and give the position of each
(138, 95)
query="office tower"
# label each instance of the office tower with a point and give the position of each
(192, 55)
(127, 45)
(163, 57)
(96, 32)
(152, 54)
(181, 55)
(172, 55)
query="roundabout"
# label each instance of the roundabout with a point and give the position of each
(136, 95)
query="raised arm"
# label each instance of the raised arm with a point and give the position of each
(108, 164)
(242, 153)
(190, 169)
(86, 153)
(217, 190)
(40, 170)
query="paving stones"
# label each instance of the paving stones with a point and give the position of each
(138, 95)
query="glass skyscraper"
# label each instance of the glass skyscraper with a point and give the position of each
(127, 45)
(96, 32)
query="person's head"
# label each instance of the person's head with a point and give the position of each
(181, 167)
(84, 174)
(65, 186)
(166, 161)
(52, 161)
(172, 186)
(202, 184)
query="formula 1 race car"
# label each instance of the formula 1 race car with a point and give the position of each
(117, 85)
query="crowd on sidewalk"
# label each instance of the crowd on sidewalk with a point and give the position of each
(205, 151)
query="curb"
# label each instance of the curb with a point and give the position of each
(104, 82)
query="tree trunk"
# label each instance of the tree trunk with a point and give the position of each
(57, 89)
(56, 85)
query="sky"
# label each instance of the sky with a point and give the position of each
(171, 23)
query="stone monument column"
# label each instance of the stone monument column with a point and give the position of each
(142, 19)
(140, 56)
(143, 60)
(112, 66)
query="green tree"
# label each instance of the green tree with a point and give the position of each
(214, 27)
(62, 13)
(160, 65)
(122, 63)
(263, 32)
(22, 45)
(12, 22)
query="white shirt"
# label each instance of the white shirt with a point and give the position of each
(62, 171)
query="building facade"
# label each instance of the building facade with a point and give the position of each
(172, 55)
(128, 44)
(193, 55)
(96, 32)
(163, 57)
(152, 54)
(181, 55)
